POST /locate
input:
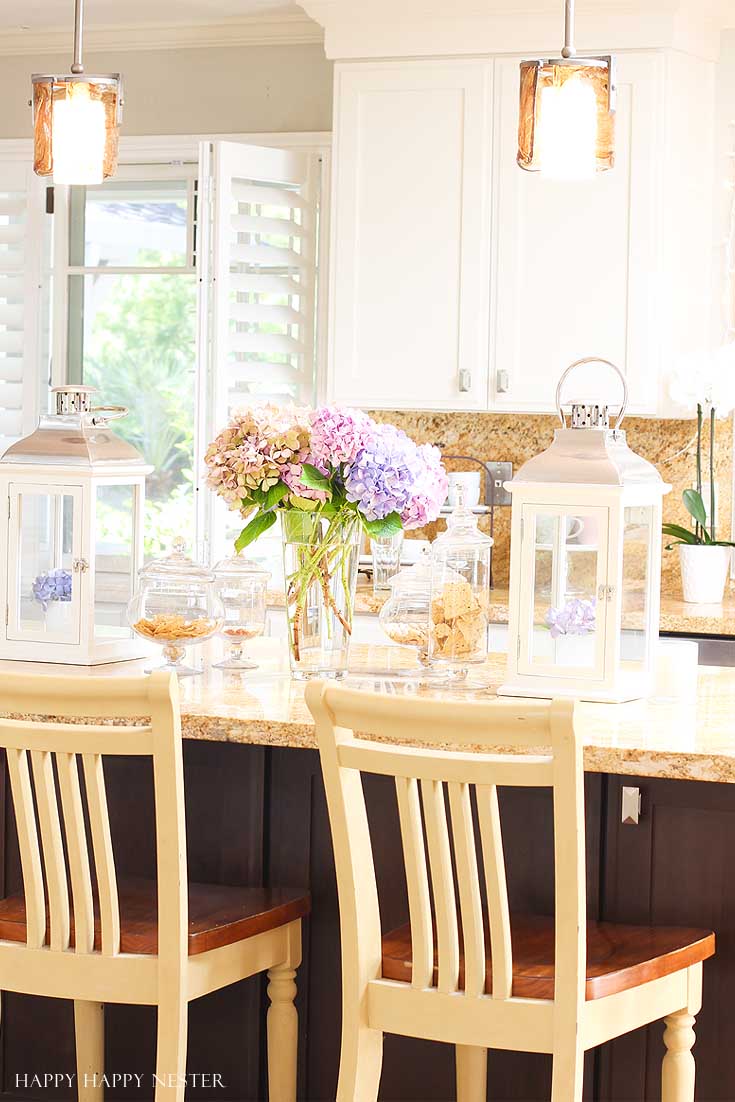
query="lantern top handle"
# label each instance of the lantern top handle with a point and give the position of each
(593, 360)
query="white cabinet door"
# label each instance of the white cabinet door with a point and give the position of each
(576, 264)
(410, 237)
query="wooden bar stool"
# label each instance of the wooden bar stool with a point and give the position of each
(128, 941)
(466, 971)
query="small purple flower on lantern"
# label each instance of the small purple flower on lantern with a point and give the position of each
(54, 585)
(338, 435)
(385, 473)
(576, 617)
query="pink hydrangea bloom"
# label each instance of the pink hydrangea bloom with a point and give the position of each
(337, 435)
(430, 493)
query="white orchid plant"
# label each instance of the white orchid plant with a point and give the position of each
(709, 387)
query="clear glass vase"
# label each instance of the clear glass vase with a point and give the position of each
(320, 559)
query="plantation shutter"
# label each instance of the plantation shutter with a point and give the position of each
(20, 273)
(259, 274)
(257, 259)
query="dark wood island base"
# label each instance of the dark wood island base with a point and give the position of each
(257, 815)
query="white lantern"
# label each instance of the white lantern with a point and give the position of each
(585, 568)
(71, 536)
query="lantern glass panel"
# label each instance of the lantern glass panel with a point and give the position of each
(566, 628)
(46, 601)
(115, 512)
(635, 639)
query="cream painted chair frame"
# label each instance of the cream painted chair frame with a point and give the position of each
(170, 979)
(471, 1020)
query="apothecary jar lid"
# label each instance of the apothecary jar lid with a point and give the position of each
(176, 567)
(462, 531)
(238, 566)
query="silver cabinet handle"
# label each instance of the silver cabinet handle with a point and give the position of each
(502, 381)
(630, 806)
(465, 381)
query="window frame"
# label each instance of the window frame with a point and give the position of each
(167, 157)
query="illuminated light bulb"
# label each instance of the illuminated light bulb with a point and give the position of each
(567, 130)
(78, 137)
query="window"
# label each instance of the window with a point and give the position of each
(185, 290)
(131, 294)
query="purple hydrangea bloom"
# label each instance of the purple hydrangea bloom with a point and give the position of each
(338, 435)
(430, 493)
(386, 473)
(576, 617)
(55, 585)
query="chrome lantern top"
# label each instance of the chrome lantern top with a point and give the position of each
(76, 434)
(586, 450)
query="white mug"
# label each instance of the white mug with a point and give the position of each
(470, 481)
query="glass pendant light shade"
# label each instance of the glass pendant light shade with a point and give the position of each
(566, 125)
(75, 127)
(76, 120)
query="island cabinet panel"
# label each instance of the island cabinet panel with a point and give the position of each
(225, 792)
(300, 851)
(674, 867)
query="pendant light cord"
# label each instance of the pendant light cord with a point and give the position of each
(569, 49)
(77, 66)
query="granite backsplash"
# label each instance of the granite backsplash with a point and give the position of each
(669, 444)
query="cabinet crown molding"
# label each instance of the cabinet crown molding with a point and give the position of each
(426, 28)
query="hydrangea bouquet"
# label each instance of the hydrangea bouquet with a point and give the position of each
(331, 473)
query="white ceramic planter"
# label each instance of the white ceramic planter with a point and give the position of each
(703, 572)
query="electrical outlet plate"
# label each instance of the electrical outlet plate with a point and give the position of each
(502, 473)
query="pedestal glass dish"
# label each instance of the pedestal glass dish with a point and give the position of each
(175, 606)
(242, 586)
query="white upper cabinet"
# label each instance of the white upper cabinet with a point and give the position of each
(459, 281)
(410, 258)
(576, 265)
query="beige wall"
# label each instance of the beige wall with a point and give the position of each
(244, 89)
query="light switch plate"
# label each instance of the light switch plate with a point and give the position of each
(502, 472)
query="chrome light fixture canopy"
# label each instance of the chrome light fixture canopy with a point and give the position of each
(566, 123)
(76, 120)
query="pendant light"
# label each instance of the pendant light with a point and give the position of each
(76, 119)
(566, 124)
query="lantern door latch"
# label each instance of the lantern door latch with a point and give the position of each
(630, 811)
(79, 566)
(605, 592)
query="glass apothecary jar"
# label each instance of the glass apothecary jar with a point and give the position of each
(460, 591)
(242, 586)
(405, 615)
(176, 605)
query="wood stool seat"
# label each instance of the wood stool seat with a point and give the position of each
(218, 915)
(619, 957)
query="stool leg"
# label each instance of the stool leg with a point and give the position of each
(89, 1035)
(471, 1073)
(677, 1075)
(360, 1060)
(568, 1073)
(173, 1015)
(283, 1031)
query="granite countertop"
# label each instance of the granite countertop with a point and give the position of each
(677, 616)
(688, 736)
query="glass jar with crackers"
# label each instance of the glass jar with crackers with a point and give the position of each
(460, 591)
(176, 606)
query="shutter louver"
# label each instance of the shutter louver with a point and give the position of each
(264, 225)
(257, 260)
(19, 278)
